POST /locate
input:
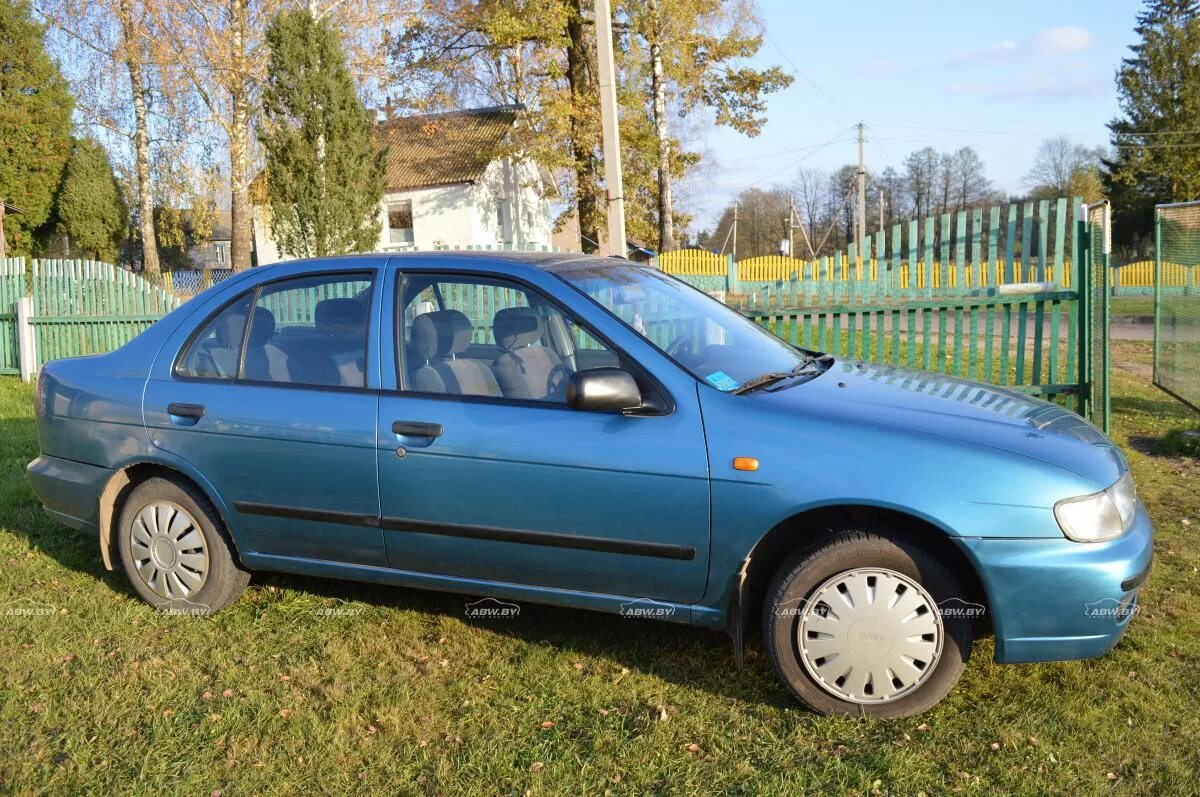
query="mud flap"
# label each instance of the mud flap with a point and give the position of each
(736, 624)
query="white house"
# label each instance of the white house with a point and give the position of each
(449, 183)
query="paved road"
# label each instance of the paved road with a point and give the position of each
(1122, 329)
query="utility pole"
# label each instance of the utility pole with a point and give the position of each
(612, 138)
(860, 220)
(882, 202)
(734, 250)
(791, 215)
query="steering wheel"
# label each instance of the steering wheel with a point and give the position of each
(678, 345)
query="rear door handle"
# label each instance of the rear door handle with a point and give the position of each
(416, 429)
(186, 410)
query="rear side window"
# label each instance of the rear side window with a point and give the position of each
(304, 331)
(215, 352)
(310, 331)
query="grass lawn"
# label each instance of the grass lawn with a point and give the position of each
(307, 686)
(1131, 305)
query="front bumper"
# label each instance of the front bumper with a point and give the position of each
(69, 490)
(1057, 600)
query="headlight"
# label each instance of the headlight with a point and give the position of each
(1100, 516)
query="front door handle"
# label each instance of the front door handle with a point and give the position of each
(195, 411)
(416, 429)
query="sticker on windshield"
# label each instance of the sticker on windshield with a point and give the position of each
(721, 380)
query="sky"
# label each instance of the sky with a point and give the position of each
(997, 76)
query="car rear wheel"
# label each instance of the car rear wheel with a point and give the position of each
(856, 626)
(172, 547)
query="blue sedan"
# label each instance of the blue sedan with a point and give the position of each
(592, 433)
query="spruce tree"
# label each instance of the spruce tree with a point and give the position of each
(324, 173)
(35, 124)
(89, 208)
(1158, 87)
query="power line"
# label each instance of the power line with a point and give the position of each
(1038, 133)
(836, 139)
(796, 70)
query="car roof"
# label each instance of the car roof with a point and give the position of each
(546, 261)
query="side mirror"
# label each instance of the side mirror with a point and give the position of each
(603, 390)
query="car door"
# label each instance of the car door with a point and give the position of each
(486, 473)
(271, 399)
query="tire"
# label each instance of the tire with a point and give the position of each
(175, 550)
(811, 646)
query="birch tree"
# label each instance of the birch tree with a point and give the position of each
(696, 53)
(219, 52)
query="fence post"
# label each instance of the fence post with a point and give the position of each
(26, 340)
(1158, 290)
(731, 275)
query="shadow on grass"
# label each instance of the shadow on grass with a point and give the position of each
(683, 655)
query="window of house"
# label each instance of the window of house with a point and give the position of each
(400, 221)
(504, 218)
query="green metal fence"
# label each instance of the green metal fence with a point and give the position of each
(87, 307)
(1096, 242)
(12, 287)
(1177, 311)
(1038, 339)
(963, 315)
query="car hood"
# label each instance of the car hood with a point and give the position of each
(970, 412)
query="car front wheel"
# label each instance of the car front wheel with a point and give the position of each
(856, 626)
(173, 551)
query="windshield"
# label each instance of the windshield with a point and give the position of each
(717, 344)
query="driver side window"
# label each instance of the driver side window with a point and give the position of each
(482, 336)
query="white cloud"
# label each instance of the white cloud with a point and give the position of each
(1056, 41)
(1028, 88)
(1062, 39)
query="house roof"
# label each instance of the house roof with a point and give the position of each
(444, 148)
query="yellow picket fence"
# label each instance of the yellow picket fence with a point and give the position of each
(1141, 275)
(772, 268)
(694, 262)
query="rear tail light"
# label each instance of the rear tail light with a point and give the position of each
(40, 395)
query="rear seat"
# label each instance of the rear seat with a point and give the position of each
(335, 355)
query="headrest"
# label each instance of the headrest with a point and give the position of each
(440, 334)
(340, 316)
(230, 329)
(517, 326)
(262, 327)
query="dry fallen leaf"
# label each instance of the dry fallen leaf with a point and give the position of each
(548, 724)
(693, 748)
(227, 693)
(995, 746)
(285, 712)
(1112, 776)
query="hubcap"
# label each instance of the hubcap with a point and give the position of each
(169, 550)
(870, 635)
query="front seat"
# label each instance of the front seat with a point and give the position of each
(525, 371)
(438, 338)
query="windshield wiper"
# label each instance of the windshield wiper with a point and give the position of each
(761, 381)
(771, 377)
